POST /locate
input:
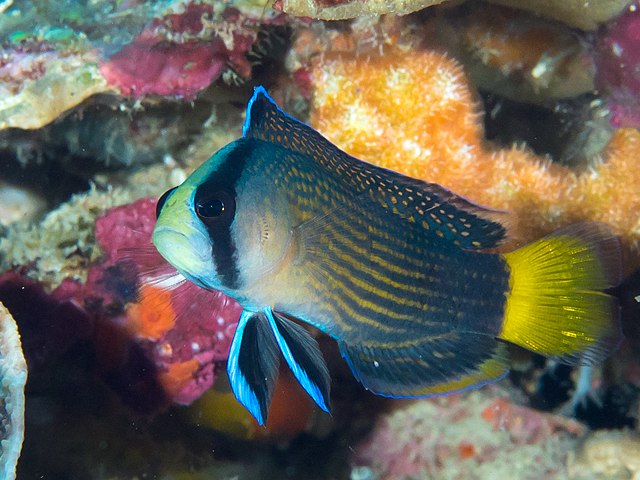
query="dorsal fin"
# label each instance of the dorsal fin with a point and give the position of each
(435, 208)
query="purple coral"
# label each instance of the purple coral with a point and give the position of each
(618, 67)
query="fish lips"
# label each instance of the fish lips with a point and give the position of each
(189, 253)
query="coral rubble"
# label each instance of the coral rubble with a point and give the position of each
(13, 376)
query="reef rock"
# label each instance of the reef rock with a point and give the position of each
(13, 373)
(343, 9)
(610, 455)
(584, 14)
(37, 84)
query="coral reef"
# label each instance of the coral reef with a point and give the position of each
(179, 48)
(13, 373)
(62, 245)
(467, 436)
(611, 455)
(181, 54)
(126, 376)
(430, 128)
(618, 67)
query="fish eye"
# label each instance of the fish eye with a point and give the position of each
(162, 200)
(217, 207)
(210, 208)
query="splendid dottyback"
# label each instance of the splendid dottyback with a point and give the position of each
(402, 273)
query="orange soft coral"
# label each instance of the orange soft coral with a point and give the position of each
(153, 316)
(416, 113)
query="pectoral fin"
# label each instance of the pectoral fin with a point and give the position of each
(303, 355)
(253, 364)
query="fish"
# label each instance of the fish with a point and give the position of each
(406, 276)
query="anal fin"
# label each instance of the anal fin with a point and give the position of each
(429, 366)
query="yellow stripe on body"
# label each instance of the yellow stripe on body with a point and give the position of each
(338, 299)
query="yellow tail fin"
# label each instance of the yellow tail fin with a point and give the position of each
(556, 305)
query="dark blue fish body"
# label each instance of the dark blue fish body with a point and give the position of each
(397, 270)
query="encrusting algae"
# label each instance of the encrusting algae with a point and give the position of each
(431, 128)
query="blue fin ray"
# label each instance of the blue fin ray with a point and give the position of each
(302, 354)
(253, 364)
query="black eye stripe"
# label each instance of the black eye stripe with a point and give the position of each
(221, 185)
(162, 200)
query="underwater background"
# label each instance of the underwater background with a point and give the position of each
(529, 107)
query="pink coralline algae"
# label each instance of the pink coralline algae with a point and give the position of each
(618, 68)
(183, 333)
(181, 54)
(469, 435)
(156, 343)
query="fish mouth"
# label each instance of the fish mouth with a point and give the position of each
(189, 252)
(166, 237)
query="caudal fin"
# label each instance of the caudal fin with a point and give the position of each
(556, 305)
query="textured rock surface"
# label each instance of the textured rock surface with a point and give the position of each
(13, 376)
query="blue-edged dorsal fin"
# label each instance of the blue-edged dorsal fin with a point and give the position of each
(429, 366)
(435, 208)
(301, 352)
(253, 364)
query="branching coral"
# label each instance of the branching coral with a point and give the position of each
(416, 113)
